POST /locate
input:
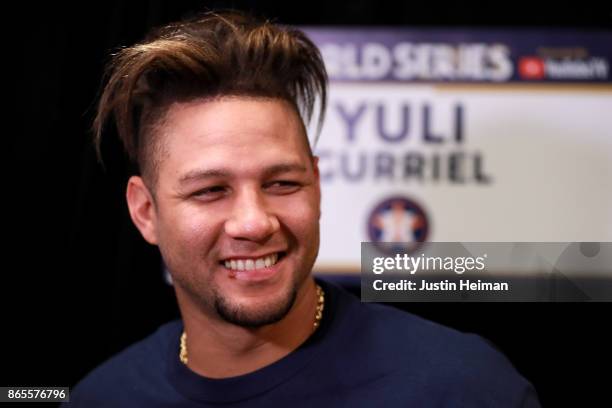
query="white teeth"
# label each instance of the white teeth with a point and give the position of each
(250, 264)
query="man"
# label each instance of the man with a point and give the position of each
(213, 111)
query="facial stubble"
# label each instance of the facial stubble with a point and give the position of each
(248, 317)
(211, 299)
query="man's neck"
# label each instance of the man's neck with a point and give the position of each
(218, 349)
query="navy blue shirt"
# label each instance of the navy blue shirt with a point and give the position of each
(362, 355)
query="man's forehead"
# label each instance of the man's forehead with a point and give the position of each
(236, 122)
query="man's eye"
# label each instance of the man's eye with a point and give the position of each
(283, 186)
(210, 192)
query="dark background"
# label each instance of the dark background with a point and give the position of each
(80, 284)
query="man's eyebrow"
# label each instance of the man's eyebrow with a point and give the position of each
(202, 174)
(275, 169)
(284, 168)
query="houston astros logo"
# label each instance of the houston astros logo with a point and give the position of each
(400, 220)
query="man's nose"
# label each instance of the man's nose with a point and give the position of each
(251, 219)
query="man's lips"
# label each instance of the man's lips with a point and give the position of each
(253, 268)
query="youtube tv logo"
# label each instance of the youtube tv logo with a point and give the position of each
(531, 68)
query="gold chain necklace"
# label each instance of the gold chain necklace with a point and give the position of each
(317, 322)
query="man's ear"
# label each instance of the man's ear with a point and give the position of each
(315, 167)
(142, 208)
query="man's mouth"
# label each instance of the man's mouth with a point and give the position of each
(249, 263)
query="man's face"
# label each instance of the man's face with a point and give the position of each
(237, 191)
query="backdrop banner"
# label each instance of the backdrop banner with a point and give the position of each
(463, 135)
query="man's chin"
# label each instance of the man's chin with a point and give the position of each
(255, 315)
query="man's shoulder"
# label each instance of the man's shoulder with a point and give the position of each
(390, 326)
(427, 340)
(409, 349)
(396, 325)
(384, 328)
(134, 369)
(464, 367)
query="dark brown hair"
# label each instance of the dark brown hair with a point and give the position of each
(211, 55)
